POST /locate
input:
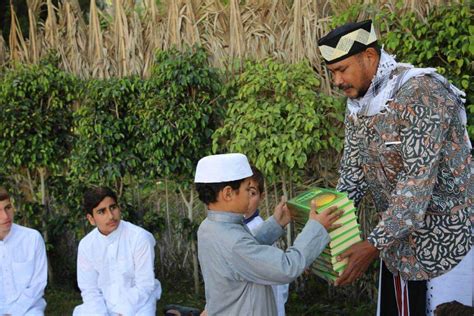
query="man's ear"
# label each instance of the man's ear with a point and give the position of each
(371, 54)
(91, 220)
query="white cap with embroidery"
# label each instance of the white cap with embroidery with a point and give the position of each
(222, 168)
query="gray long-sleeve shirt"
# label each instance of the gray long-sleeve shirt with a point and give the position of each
(239, 268)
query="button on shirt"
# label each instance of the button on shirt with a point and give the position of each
(238, 269)
(23, 272)
(115, 272)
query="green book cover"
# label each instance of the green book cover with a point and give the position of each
(343, 238)
(324, 275)
(336, 268)
(324, 199)
(325, 269)
(346, 228)
(342, 247)
(348, 215)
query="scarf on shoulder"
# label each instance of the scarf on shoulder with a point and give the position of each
(385, 85)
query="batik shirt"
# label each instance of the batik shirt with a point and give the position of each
(414, 159)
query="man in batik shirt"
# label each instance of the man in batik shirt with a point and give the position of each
(406, 144)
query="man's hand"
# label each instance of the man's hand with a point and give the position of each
(360, 256)
(282, 213)
(327, 217)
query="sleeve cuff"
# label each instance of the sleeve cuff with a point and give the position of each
(374, 241)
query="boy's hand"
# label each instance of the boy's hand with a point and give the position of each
(282, 213)
(327, 217)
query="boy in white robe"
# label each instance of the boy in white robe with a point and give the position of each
(23, 265)
(115, 262)
(253, 220)
(238, 268)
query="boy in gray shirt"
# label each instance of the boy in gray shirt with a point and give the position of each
(239, 268)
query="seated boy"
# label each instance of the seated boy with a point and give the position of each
(253, 220)
(115, 262)
(238, 268)
(23, 265)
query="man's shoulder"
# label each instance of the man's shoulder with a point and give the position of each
(422, 83)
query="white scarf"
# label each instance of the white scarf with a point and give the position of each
(383, 88)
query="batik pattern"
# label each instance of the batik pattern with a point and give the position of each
(414, 160)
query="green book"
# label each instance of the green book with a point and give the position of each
(337, 266)
(324, 275)
(326, 265)
(343, 230)
(352, 233)
(342, 247)
(301, 204)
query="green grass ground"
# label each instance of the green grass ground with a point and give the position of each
(314, 301)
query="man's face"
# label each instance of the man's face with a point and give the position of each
(254, 198)
(352, 75)
(106, 216)
(6, 216)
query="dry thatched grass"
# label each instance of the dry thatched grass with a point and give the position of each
(121, 39)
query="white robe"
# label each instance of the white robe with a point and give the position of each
(115, 273)
(280, 291)
(23, 272)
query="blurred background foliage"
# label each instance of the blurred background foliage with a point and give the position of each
(131, 94)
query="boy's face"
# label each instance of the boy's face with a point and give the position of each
(6, 217)
(242, 198)
(106, 216)
(254, 198)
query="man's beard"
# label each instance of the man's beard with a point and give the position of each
(360, 93)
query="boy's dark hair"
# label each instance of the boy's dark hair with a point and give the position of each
(4, 195)
(208, 192)
(93, 196)
(258, 177)
(453, 308)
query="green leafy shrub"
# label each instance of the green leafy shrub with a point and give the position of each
(179, 113)
(36, 102)
(106, 131)
(278, 118)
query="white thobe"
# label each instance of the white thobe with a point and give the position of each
(23, 272)
(115, 273)
(280, 291)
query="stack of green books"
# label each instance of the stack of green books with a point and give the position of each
(326, 265)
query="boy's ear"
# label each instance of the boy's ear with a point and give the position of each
(227, 193)
(91, 220)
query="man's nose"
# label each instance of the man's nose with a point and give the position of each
(337, 79)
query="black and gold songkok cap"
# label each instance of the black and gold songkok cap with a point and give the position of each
(347, 40)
